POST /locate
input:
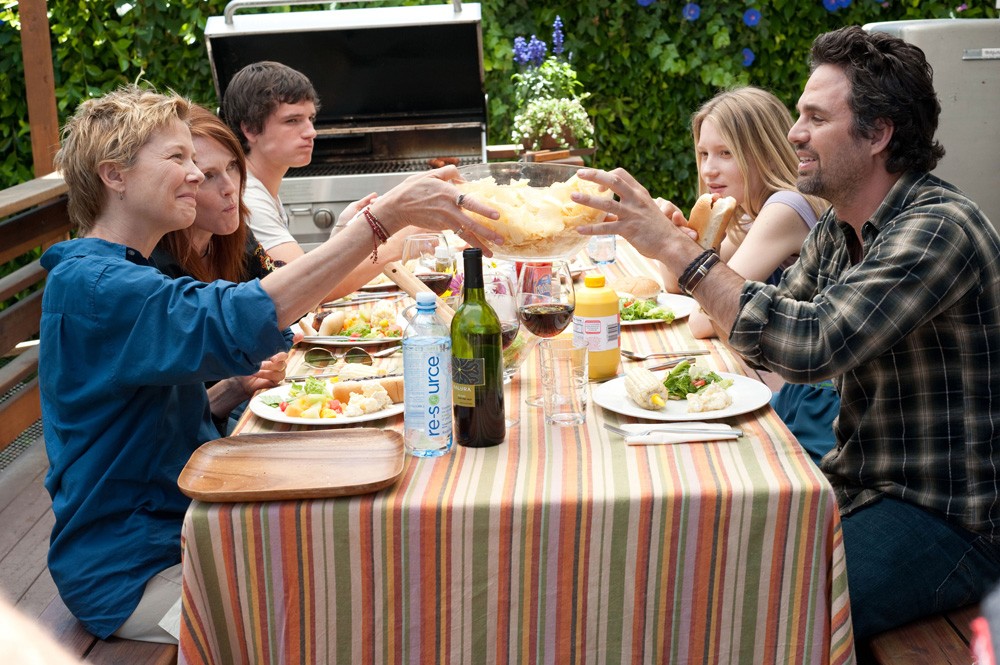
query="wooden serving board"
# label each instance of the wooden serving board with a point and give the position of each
(294, 465)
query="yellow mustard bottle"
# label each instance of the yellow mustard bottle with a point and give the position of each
(596, 322)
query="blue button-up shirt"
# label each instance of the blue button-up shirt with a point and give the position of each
(124, 356)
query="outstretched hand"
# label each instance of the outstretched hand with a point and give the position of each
(637, 216)
(431, 201)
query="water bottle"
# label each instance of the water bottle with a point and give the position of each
(427, 381)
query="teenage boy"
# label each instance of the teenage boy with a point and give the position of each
(272, 108)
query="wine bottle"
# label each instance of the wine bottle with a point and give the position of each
(476, 363)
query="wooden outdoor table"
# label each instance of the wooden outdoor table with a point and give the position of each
(562, 545)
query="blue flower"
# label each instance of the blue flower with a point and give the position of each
(691, 11)
(751, 17)
(557, 36)
(536, 51)
(646, 3)
(831, 5)
(843, 3)
(748, 57)
(521, 51)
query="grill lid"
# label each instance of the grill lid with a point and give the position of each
(372, 68)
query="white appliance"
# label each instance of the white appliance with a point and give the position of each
(965, 55)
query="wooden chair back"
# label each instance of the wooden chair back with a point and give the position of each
(36, 217)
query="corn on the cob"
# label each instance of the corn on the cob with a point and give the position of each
(645, 389)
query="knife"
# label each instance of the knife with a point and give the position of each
(676, 429)
(303, 377)
(392, 296)
(348, 338)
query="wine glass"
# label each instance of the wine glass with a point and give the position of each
(500, 295)
(428, 263)
(546, 301)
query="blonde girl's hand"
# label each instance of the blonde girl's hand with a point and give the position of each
(674, 214)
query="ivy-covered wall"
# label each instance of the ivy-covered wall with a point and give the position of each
(647, 63)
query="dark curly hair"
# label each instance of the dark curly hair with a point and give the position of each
(256, 92)
(890, 80)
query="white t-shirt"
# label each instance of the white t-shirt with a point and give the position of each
(267, 216)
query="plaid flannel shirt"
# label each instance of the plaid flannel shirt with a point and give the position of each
(910, 336)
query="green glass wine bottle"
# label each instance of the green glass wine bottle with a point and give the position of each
(476, 363)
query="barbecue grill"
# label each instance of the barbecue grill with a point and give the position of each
(398, 86)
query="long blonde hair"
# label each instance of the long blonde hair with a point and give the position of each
(754, 124)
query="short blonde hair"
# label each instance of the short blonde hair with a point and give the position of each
(754, 124)
(111, 129)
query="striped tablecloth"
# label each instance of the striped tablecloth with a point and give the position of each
(560, 546)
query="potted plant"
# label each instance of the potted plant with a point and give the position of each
(548, 97)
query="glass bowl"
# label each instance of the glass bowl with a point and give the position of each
(538, 219)
(518, 351)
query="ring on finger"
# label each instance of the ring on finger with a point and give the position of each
(461, 232)
(459, 200)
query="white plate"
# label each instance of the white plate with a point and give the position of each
(273, 413)
(682, 307)
(384, 286)
(748, 394)
(329, 341)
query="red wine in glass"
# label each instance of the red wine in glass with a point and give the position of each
(508, 332)
(546, 319)
(437, 282)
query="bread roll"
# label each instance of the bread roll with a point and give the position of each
(636, 286)
(306, 328)
(332, 324)
(710, 218)
(393, 386)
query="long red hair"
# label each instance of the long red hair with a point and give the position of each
(227, 254)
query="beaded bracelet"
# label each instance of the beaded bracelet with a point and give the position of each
(381, 237)
(696, 271)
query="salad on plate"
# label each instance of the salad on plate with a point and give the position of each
(314, 398)
(686, 379)
(639, 309)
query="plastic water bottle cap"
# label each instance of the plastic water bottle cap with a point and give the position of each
(594, 281)
(442, 252)
(426, 299)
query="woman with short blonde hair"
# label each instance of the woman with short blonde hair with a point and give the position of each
(125, 351)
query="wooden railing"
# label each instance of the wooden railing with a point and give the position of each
(34, 215)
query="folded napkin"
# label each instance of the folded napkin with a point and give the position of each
(655, 437)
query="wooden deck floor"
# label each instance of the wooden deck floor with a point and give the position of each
(25, 524)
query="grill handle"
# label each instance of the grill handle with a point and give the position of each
(234, 5)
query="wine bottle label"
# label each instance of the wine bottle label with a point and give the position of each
(599, 333)
(466, 374)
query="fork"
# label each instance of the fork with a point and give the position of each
(671, 363)
(663, 354)
(677, 429)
